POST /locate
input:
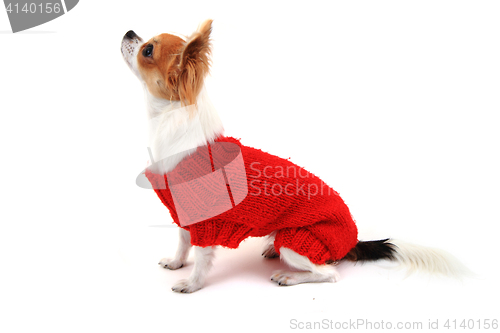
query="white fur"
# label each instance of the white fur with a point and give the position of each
(203, 258)
(308, 272)
(416, 258)
(182, 252)
(130, 49)
(176, 131)
(269, 251)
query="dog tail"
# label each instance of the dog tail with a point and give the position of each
(372, 250)
(412, 257)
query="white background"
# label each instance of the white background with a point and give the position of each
(395, 104)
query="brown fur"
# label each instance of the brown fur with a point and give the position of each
(177, 69)
(195, 63)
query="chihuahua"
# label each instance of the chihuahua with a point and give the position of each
(310, 233)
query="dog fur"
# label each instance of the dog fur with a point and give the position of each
(181, 118)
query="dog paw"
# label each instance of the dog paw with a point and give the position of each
(269, 252)
(171, 263)
(186, 287)
(284, 278)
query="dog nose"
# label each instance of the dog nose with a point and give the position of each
(131, 34)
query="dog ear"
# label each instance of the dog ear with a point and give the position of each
(194, 63)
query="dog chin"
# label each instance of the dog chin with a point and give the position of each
(130, 48)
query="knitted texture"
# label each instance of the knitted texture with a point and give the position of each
(308, 216)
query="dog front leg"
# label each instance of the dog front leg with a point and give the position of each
(182, 252)
(203, 258)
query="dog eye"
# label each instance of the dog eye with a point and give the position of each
(148, 50)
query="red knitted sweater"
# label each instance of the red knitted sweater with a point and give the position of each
(309, 216)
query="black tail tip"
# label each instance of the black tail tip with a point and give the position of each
(372, 250)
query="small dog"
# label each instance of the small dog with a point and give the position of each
(309, 234)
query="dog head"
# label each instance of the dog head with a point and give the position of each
(170, 68)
